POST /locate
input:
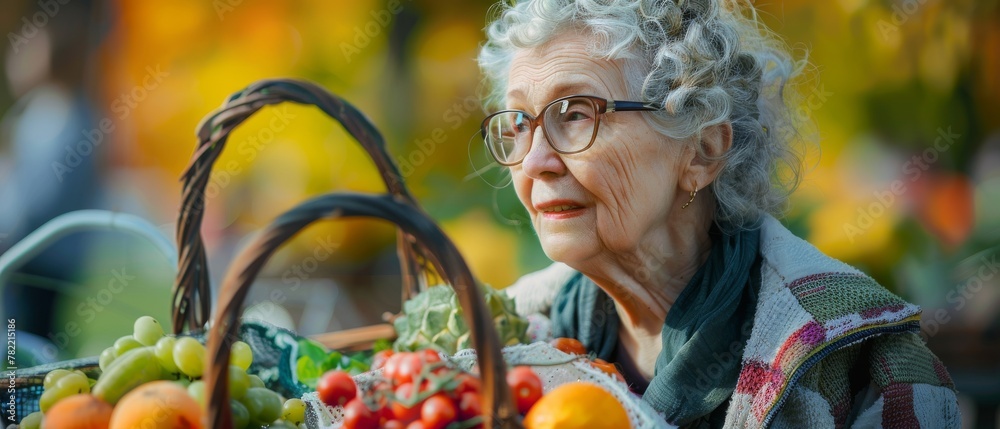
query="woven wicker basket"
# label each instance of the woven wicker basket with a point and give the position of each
(423, 248)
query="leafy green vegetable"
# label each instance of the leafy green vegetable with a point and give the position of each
(314, 360)
(433, 319)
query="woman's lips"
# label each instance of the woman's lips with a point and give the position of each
(560, 209)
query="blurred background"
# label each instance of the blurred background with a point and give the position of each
(100, 99)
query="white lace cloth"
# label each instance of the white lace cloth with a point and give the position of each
(552, 366)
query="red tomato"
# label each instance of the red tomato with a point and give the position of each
(569, 345)
(336, 388)
(438, 411)
(526, 387)
(391, 368)
(410, 366)
(401, 412)
(609, 368)
(469, 405)
(466, 383)
(430, 356)
(392, 424)
(416, 425)
(358, 416)
(380, 358)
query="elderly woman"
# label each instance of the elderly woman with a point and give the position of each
(649, 143)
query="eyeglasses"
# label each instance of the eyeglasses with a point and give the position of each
(570, 125)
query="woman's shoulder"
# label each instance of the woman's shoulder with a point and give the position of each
(535, 292)
(813, 308)
(827, 290)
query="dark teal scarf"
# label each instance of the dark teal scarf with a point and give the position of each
(703, 336)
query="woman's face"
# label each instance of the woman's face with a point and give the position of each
(610, 198)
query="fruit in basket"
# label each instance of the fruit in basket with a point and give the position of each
(433, 319)
(189, 356)
(294, 411)
(420, 390)
(81, 411)
(142, 377)
(241, 355)
(569, 345)
(127, 372)
(525, 386)
(357, 415)
(263, 404)
(61, 384)
(438, 411)
(157, 405)
(577, 405)
(32, 421)
(336, 388)
(608, 368)
(147, 330)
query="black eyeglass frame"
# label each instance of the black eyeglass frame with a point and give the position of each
(601, 106)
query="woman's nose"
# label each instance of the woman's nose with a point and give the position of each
(541, 159)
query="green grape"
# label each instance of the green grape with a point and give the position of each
(241, 355)
(147, 330)
(266, 405)
(73, 383)
(239, 382)
(281, 424)
(197, 391)
(69, 384)
(53, 376)
(164, 350)
(107, 357)
(125, 344)
(189, 356)
(241, 417)
(48, 399)
(255, 381)
(32, 421)
(294, 411)
(253, 404)
(183, 382)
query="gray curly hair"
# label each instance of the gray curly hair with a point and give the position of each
(707, 61)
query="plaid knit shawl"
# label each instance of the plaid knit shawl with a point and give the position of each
(820, 327)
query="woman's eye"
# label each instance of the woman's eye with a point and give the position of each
(577, 116)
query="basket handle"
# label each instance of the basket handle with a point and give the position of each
(191, 299)
(413, 222)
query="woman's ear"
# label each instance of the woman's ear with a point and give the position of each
(701, 170)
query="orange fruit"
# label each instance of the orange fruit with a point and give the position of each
(81, 411)
(569, 345)
(577, 405)
(157, 405)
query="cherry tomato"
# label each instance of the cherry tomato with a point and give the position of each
(336, 388)
(358, 416)
(609, 368)
(526, 386)
(409, 367)
(380, 358)
(404, 414)
(391, 368)
(392, 424)
(469, 406)
(467, 383)
(438, 411)
(569, 345)
(416, 425)
(430, 356)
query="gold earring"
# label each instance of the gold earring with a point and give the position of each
(693, 193)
